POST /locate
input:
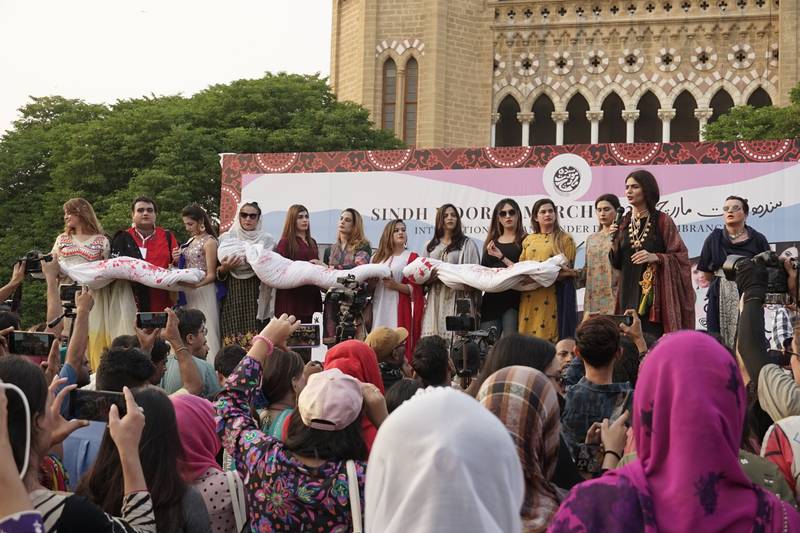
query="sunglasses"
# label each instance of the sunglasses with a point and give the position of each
(732, 208)
(251, 216)
(509, 213)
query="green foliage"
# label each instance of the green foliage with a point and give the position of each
(164, 147)
(749, 123)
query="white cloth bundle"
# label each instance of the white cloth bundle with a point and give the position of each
(276, 271)
(523, 276)
(98, 274)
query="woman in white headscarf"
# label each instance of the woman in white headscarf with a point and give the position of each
(248, 302)
(460, 471)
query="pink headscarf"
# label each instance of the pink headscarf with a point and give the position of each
(689, 409)
(197, 428)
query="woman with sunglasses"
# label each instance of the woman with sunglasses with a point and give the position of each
(502, 249)
(248, 301)
(736, 238)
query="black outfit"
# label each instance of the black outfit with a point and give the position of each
(493, 304)
(716, 248)
(630, 292)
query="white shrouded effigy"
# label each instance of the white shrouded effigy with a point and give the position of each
(523, 276)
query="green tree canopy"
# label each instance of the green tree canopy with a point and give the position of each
(165, 147)
(749, 123)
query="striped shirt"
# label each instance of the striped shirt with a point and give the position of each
(64, 512)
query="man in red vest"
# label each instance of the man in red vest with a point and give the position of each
(155, 246)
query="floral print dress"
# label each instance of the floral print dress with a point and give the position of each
(282, 493)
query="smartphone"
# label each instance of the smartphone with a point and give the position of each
(305, 336)
(94, 404)
(67, 292)
(621, 319)
(151, 320)
(34, 344)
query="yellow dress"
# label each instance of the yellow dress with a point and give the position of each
(538, 315)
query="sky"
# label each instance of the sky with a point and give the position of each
(102, 51)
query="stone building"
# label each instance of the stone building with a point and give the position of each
(446, 73)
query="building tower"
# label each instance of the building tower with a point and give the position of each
(446, 73)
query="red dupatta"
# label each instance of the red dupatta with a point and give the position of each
(674, 296)
(410, 310)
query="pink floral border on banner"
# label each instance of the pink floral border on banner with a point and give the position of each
(234, 166)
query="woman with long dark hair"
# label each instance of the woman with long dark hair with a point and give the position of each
(177, 507)
(655, 274)
(248, 302)
(297, 244)
(200, 252)
(543, 312)
(449, 244)
(396, 301)
(601, 279)
(502, 249)
(736, 238)
(66, 512)
(283, 381)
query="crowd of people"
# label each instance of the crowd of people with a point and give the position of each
(619, 418)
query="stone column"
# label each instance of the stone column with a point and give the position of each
(666, 115)
(526, 119)
(630, 116)
(560, 117)
(495, 120)
(595, 117)
(702, 115)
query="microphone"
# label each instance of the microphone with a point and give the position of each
(618, 220)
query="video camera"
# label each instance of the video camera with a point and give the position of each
(33, 261)
(352, 297)
(777, 277)
(472, 344)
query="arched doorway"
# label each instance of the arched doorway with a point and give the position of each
(612, 125)
(648, 125)
(508, 130)
(684, 127)
(759, 98)
(543, 129)
(578, 129)
(720, 104)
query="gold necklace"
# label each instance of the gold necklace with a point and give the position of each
(638, 231)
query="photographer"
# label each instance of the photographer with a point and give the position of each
(17, 277)
(778, 392)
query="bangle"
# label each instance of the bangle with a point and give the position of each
(612, 452)
(269, 343)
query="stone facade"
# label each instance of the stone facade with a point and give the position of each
(542, 72)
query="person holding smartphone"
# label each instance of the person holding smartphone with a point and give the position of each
(595, 397)
(66, 512)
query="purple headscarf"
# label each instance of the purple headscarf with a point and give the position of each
(688, 417)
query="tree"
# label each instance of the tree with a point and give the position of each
(165, 147)
(749, 123)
